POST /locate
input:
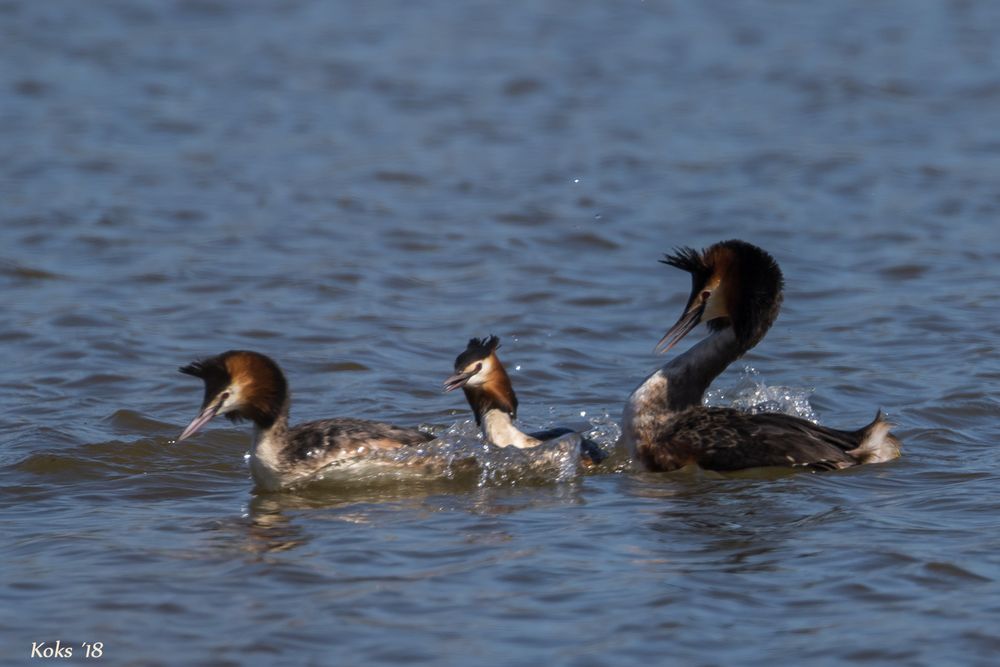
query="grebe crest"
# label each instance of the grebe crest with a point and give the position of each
(483, 379)
(239, 385)
(733, 284)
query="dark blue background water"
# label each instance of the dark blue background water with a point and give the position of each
(357, 188)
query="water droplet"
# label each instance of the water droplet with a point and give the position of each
(518, 367)
(576, 180)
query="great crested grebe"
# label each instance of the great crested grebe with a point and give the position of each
(736, 290)
(248, 385)
(487, 387)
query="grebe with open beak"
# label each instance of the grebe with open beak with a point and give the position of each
(737, 291)
(488, 389)
(248, 385)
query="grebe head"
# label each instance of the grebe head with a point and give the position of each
(240, 385)
(733, 284)
(475, 365)
(480, 374)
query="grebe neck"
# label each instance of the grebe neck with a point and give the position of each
(499, 429)
(270, 442)
(678, 385)
(689, 375)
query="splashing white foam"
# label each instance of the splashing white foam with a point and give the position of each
(556, 460)
(460, 450)
(751, 394)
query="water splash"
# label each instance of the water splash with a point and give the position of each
(459, 452)
(751, 394)
(604, 430)
(557, 460)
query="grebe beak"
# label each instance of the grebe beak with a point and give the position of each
(203, 418)
(688, 321)
(457, 380)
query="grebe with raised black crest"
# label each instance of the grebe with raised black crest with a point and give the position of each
(487, 387)
(737, 290)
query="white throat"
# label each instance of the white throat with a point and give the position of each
(499, 430)
(265, 455)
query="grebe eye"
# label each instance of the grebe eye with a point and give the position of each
(705, 295)
(223, 397)
(478, 367)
